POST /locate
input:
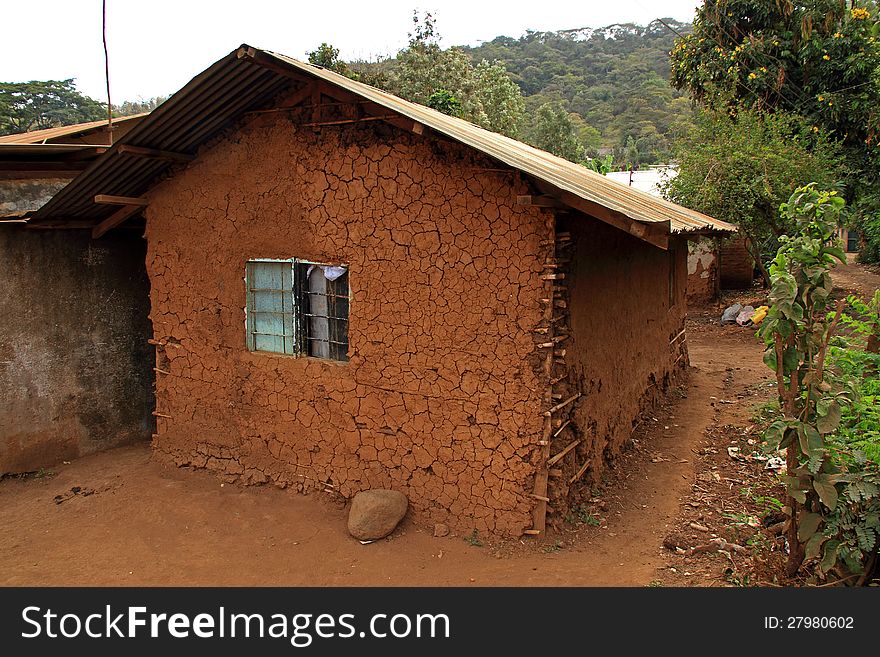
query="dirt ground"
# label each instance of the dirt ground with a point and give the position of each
(120, 518)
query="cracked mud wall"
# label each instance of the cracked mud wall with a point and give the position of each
(75, 366)
(441, 398)
(626, 344)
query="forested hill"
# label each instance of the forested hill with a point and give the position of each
(615, 78)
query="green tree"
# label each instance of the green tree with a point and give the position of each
(487, 96)
(618, 86)
(553, 130)
(741, 167)
(328, 57)
(129, 107)
(36, 105)
(819, 59)
(500, 97)
(443, 101)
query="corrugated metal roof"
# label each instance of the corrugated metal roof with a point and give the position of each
(237, 83)
(202, 108)
(43, 136)
(561, 173)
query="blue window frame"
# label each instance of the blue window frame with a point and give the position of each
(298, 308)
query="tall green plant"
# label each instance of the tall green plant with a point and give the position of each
(796, 331)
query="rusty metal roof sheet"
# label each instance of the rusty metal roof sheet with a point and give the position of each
(237, 83)
(69, 131)
(557, 171)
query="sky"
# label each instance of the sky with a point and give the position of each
(157, 46)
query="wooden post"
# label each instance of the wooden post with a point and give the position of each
(542, 475)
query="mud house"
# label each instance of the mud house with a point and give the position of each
(352, 291)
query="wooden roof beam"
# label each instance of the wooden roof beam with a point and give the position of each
(154, 153)
(61, 223)
(109, 199)
(130, 206)
(326, 89)
(115, 219)
(543, 201)
(656, 233)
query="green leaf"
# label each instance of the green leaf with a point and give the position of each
(808, 524)
(829, 420)
(799, 495)
(784, 327)
(827, 492)
(814, 440)
(814, 545)
(775, 432)
(791, 358)
(770, 358)
(836, 252)
(830, 557)
(809, 439)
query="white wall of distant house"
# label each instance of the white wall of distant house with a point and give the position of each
(647, 180)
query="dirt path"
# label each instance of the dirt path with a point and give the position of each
(146, 524)
(858, 279)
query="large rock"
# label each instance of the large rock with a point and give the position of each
(375, 513)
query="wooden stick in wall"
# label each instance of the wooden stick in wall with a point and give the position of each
(566, 450)
(542, 475)
(561, 405)
(580, 473)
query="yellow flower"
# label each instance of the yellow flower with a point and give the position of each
(821, 98)
(859, 14)
(837, 35)
(815, 128)
(826, 57)
(752, 76)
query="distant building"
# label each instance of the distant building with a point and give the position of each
(650, 179)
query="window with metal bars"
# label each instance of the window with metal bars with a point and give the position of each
(297, 307)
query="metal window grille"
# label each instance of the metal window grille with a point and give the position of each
(298, 308)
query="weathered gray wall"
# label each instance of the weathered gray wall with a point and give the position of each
(23, 194)
(75, 365)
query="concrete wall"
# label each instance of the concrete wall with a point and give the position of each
(440, 398)
(20, 194)
(75, 366)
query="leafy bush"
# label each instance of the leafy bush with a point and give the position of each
(833, 486)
